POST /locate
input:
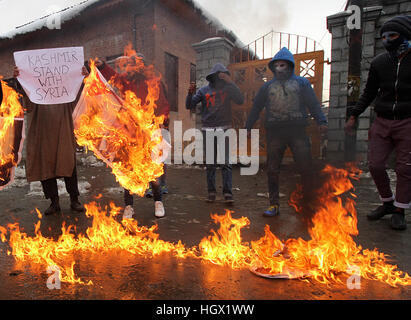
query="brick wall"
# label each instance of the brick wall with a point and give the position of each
(153, 27)
(101, 34)
(175, 35)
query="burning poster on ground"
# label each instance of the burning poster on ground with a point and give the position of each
(120, 130)
(11, 134)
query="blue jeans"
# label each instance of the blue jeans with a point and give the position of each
(226, 169)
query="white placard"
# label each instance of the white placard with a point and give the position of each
(50, 76)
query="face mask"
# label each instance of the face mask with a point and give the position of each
(281, 69)
(393, 45)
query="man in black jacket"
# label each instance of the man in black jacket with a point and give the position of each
(389, 81)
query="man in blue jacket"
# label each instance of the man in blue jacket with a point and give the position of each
(216, 115)
(286, 99)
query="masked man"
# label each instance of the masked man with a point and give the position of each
(389, 82)
(286, 99)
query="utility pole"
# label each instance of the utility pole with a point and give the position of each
(354, 72)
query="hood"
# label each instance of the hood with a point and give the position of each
(218, 67)
(283, 54)
(400, 24)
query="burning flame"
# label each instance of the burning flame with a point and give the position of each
(122, 130)
(330, 253)
(10, 109)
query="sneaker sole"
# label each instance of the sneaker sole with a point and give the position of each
(270, 215)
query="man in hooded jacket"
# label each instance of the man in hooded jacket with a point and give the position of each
(216, 115)
(389, 82)
(133, 79)
(286, 99)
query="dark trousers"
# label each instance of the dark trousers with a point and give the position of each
(163, 177)
(155, 186)
(50, 188)
(386, 136)
(277, 142)
(226, 168)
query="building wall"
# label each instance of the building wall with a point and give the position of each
(377, 12)
(152, 27)
(175, 32)
(98, 39)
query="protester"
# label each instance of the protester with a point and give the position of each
(131, 79)
(51, 148)
(389, 82)
(215, 101)
(285, 99)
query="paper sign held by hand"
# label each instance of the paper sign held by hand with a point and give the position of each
(50, 76)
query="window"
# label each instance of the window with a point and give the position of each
(171, 78)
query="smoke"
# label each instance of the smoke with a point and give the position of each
(249, 19)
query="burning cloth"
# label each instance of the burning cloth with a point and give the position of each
(121, 131)
(11, 134)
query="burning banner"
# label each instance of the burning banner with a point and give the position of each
(120, 130)
(11, 134)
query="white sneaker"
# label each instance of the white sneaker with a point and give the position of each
(159, 207)
(128, 212)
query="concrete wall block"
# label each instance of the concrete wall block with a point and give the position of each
(337, 113)
(368, 51)
(334, 124)
(369, 27)
(364, 123)
(334, 102)
(342, 101)
(339, 66)
(336, 55)
(361, 146)
(369, 39)
(344, 77)
(202, 65)
(221, 53)
(405, 8)
(362, 135)
(335, 78)
(336, 135)
(345, 54)
(337, 31)
(207, 54)
(339, 43)
(391, 9)
(339, 89)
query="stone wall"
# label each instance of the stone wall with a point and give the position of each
(375, 14)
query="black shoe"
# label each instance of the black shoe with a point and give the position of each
(211, 197)
(228, 198)
(76, 206)
(381, 211)
(54, 208)
(398, 220)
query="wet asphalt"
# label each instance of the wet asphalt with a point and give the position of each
(120, 275)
